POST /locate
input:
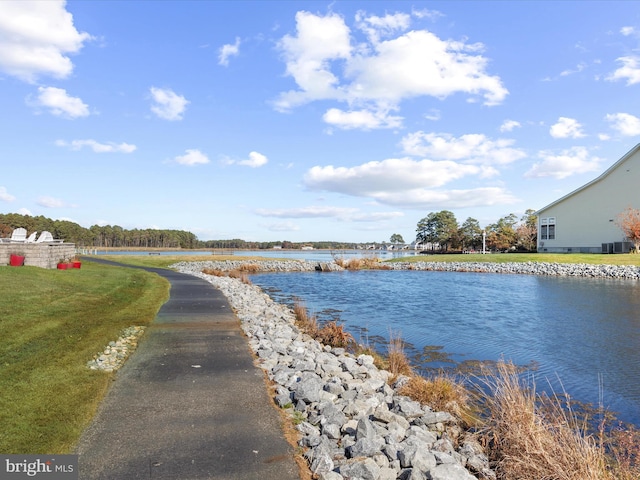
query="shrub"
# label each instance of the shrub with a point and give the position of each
(214, 271)
(333, 334)
(249, 268)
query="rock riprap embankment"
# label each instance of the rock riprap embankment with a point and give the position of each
(115, 354)
(523, 268)
(526, 268)
(352, 423)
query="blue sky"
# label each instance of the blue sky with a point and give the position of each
(304, 120)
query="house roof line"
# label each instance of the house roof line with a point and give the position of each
(595, 180)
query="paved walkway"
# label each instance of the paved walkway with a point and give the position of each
(189, 403)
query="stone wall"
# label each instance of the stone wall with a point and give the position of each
(44, 255)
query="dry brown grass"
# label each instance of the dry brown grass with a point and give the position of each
(398, 363)
(378, 360)
(214, 272)
(441, 393)
(531, 438)
(240, 275)
(249, 268)
(304, 320)
(333, 334)
(363, 263)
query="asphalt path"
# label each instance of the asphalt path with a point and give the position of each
(189, 403)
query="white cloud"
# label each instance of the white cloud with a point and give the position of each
(574, 161)
(6, 196)
(306, 212)
(282, 227)
(470, 148)
(566, 128)
(255, 160)
(375, 27)
(36, 38)
(59, 102)
(24, 211)
(434, 114)
(629, 71)
(228, 50)
(509, 125)
(392, 175)
(109, 147)
(50, 202)
(377, 76)
(626, 31)
(579, 68)
(439, 199)
(168, 105)
(339, 213)
(192, 157)
(362, 119)
(624, 123)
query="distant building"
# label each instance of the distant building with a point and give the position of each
(584, 221)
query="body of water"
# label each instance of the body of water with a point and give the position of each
(582, 334)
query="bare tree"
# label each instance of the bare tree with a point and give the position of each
(629, 223)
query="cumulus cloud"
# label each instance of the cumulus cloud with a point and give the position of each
(167, 104)
(59, 102)
(625, 124)
(255, 160)
(228, 50)
(361, 119)
(6, 196)
(509, 125)
(470, 148)
(306, 212)
(438, 199)
(392, 65)
(191, 158)
(574, 161)
(399, 174)
(629, 71)
(50, 202)
(36, 38)
(408, 183)
(339, 213)
(566, 128)
(626, 31)
(109, 147)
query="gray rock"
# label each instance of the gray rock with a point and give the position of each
(360, 470)
(449, 471)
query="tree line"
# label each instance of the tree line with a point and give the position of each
(441, 231)
(115, 236)
(97, 235)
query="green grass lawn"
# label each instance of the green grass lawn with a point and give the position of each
(53, 322)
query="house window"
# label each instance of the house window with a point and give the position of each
(548, 228)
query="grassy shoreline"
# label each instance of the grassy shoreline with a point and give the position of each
(53, 323)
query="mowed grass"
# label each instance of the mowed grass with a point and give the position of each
(53, 322)
(163, 261)
(588, 258)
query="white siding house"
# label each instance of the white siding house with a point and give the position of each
(585, 219)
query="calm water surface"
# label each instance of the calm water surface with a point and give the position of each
(582, 333)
